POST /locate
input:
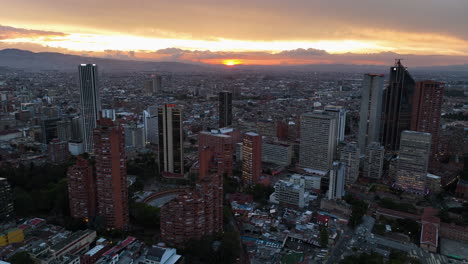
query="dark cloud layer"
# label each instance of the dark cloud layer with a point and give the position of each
(7, 32)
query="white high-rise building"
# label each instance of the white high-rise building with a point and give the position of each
(371, 109)
(337, 181)
(90, 103)
(318, 140)
(150, 121)
(171, 148)
(340, 114)
(350, 155)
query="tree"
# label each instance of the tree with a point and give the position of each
(21, 257)
(145, 215)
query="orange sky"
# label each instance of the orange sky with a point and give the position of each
(249, 32)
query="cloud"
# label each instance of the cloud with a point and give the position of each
(7, 32)
(303, 52)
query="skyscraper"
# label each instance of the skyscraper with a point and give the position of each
(251, 158)
(111, 174)
(371, 110)
(318, 140)
(82, 189)
(373, 162)
(150, 120)
(225, 109)
(6, 201)
(427, 108)
(222, 146)
(397, 106)
(171, 156)
(349, 154)
(90, 103)
(337, 181)
(340, 114)
(413, 161)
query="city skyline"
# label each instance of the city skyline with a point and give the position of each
(259, 32)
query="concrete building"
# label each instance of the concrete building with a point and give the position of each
(349, 153)
(225, 109)
(90, 103)
(82, 189)
(171, 143)
(251, 158)
(58, 151)
(318, 140)
(134, 136)
(288, 193)
(337, 181)
(162, 255)
(371, 110)
(111, 174)
(397, 106)
(6, 201)
(413, 161)
(75, 148)
(309, 182)
(433, 183)
(275, 152)
(426, 112)
(373, 161)
(340, 115)
(150, 121)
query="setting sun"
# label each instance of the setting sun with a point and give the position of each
(231, 62)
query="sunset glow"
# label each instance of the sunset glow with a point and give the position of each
(231, 62)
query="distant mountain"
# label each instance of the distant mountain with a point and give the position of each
(27, 60)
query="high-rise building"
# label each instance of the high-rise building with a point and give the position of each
(150, 121)
(337, 181)
(195, 213)
(290, 193)
(223, 147)
(134, 136)
(373, 161)
(58, 151)
(397, 106)
(225, 109)
(277, 152)
(90, 103)
(340, 114)
(318, 140)
(82, 189)
(49, 128)
(6, 201)
(153, 86)
(251, 158)
(427, 108)
(371, 110)
(64, 129)
(111, 174)
(171, 144)
(350, 154)
(413, 161)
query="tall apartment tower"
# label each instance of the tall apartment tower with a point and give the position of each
(6, 201)
(373, 163)
(340, 114)
(397, 106)
(82, 189)
(222, 146)
(90, 103)
(337, 181)
(171, 144)
(371, 110)
(251, 158)
(427, 108)
(318, 140)
(413, 161)
(349, 154)
(111, 174)
(225, 109)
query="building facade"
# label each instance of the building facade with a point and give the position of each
(337, 181)
(58, 151)
(223, 147)
(318, 140)
(6, 201)
(289, 193)
(397, 106)
(275, 152)
(371, 109)
(373, 161)
(340, 115)
(349, 154)
(90, 103)
(413, 161)
(111, 174)
(171, 143)
(251, 158)
(82, 189)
